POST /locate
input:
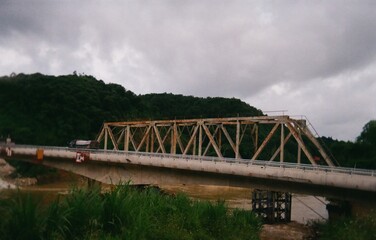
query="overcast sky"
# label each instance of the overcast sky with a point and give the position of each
(313, 58)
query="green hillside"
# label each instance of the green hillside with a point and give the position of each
(170, 106)
(40, 109)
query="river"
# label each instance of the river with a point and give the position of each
(304, 208)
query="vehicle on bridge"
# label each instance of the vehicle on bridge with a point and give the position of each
(85, 144)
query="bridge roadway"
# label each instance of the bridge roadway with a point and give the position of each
(157, 168)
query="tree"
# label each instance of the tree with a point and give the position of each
(368, 135)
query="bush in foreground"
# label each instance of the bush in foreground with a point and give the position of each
(123, 213)
(348, 228)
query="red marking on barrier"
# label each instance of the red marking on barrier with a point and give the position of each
(82, 156)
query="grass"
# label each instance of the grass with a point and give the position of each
(348, 228)
(22, 210)
(123, 213)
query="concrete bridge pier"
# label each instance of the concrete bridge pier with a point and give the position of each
(343, 208)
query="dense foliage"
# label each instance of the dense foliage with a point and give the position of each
(123, 213)
(172, 106)
(349, 228)
(40, 109)
(43, 109)
(358, 154)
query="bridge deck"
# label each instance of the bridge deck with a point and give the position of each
(347, 178)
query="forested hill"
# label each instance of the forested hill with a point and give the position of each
(40, 109)
(49, 110)
(172, 106)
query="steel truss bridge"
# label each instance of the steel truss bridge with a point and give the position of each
(235, 151)
(217, 137)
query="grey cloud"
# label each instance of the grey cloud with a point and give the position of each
(205, 48)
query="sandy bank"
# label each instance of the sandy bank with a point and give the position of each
(5, 170)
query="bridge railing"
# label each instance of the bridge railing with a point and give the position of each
(308, 167)
(260, 163)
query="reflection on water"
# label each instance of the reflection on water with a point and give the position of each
(304, 208)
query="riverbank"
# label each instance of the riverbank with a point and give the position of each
(5, 171)
(287, 231)
(11, 178)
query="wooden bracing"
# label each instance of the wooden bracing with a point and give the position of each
(263, 137)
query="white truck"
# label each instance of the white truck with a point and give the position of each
(86, 144)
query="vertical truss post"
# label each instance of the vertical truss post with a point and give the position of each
(281, 158)
(194, 136)
(254, 134)
(174, 135)
(200, 138)
(299, 160)
(127, 130)
(194, 145)
(219, 139)
(105, 137)
(147, 143)
(237, 144)
(152, 140)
